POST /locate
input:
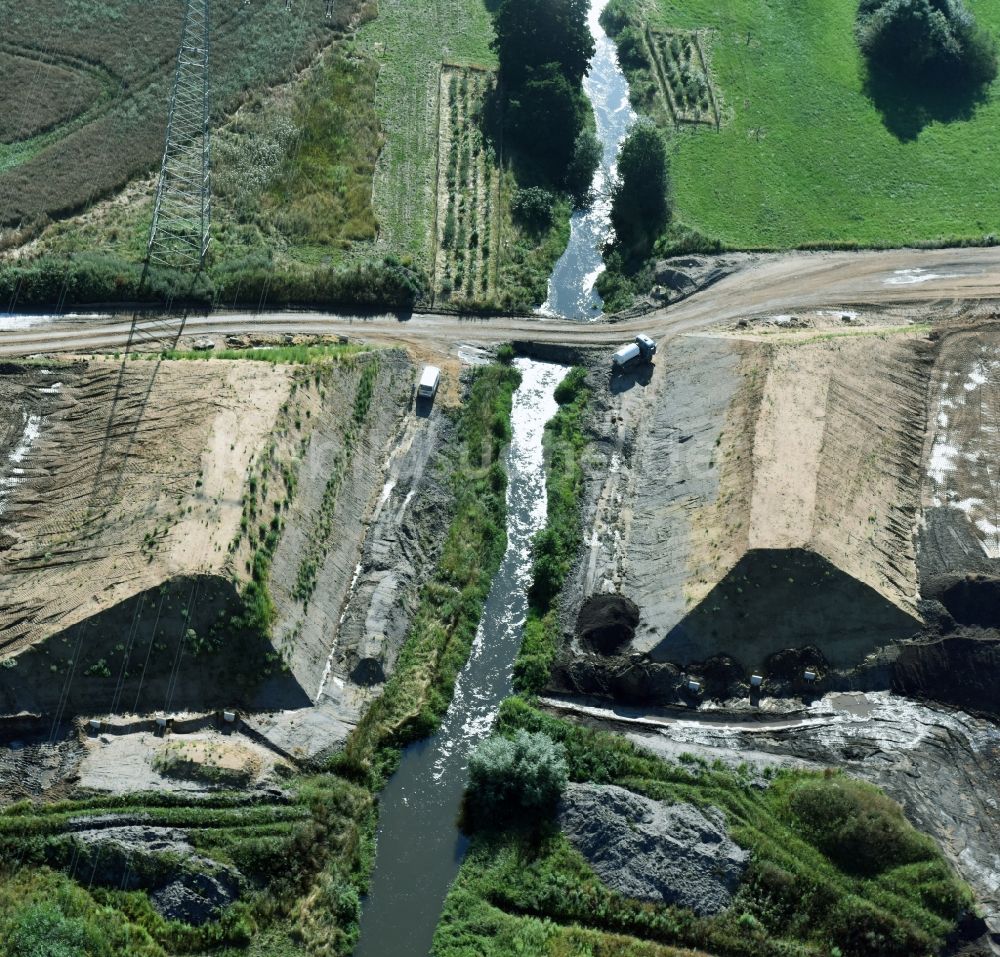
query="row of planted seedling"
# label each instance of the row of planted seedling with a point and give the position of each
(680, 69)
(464, 266)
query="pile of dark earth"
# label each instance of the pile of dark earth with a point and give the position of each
(953, 660)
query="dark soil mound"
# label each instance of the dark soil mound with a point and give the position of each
(721, 675)
(792, 663)
(974, 600)
(629, 679)
(607, 623)
(962, 669)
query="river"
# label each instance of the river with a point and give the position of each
(419, 848)
(571, 287)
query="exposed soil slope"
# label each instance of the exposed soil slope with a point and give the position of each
(125, 548)
(770, 497)
(134, 476)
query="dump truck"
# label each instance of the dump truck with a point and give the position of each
(429, 380)
(641, 350)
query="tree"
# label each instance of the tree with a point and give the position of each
(544, 117)
(640, 209)
(530, 33)
(533, 208)
(544, 50)
(587, 152)
(927, 40)
(507, 776)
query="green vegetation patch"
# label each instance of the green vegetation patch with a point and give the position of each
(451, 603)
(468, 193)
(305, 862)
(277, 355)
(835, 868)
(678, 63)
(293, 168)
(806, 155)
(411, 39)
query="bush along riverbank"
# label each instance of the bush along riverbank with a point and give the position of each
(806, 864)
(86, 279)
(290, 872)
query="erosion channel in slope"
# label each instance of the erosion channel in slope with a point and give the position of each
(571, 286)
(419, 848)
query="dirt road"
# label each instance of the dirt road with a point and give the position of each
(769, 284)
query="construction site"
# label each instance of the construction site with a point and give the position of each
(295, 543)
(784, 518)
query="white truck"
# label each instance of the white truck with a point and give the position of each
(627, 357)
(429, 381)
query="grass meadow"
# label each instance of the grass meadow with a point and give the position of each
(804, 156)
(131, 48)
(410, 39)
(836, 870)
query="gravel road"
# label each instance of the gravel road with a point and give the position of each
(771, 283)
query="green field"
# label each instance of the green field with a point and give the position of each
(803, 155)
(835, 871)
(410, 39)
(60, 152)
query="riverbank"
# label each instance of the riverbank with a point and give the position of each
(418, 848)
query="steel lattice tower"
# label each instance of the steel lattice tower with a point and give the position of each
(179, 233)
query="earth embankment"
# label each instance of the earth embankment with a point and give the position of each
(185, 534)
(759, 491)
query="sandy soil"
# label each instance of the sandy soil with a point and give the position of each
(124, 763)
(125, 530)
(130, 474)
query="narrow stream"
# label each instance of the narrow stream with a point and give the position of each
(571, 287)
(419, 848)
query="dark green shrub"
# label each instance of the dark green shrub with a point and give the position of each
(505, 354)
(931, 40)
(533, 207)
(508, 775)
(572, 386)
(857, 827)
(44, 931)
(584, 160)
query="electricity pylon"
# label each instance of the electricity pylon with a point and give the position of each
(178, 236)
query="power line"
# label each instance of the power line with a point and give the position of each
(182, 211)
